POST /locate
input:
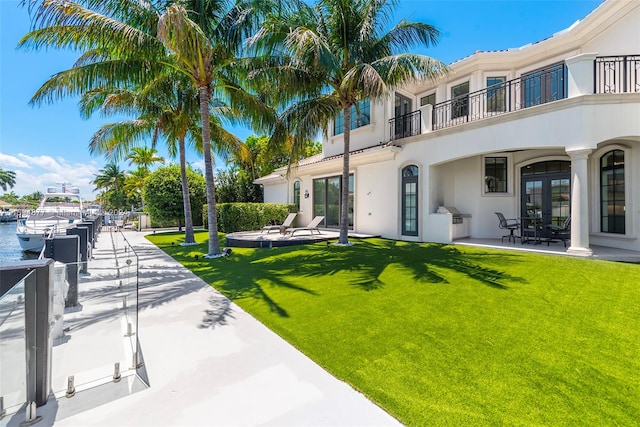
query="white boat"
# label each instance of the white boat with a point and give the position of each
(57, 212)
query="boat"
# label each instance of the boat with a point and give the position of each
(8, 216)
(57, 212)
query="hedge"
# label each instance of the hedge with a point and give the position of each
(248, 216)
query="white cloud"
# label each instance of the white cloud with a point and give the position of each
(7, 162)
(197, 165)
(45, 171)
(46, 162)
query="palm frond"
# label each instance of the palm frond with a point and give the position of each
(115, 140)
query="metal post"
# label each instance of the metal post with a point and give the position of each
(37, 333)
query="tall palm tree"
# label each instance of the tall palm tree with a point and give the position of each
(125, 45)
(166, 107)
(7, 179)
(205, 50)
(336, 54)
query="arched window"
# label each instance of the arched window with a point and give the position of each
(296, 194)
(410, 201)
(612, 198)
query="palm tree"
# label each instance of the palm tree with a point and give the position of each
(134, 183)
(144, 157)
(204, 50)
(111, 179)
(124, 46)
(337, 54)
(168, 107)
(7, 179)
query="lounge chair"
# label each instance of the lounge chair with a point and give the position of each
(313, 225)
(281, 227)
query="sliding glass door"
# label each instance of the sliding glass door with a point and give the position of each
(326, 200)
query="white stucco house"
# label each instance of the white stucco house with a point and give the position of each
(549, 130)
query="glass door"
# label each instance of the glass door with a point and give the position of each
(402, 109)
(546, 197)
(332, 219)
(532, 208)
(326, 200)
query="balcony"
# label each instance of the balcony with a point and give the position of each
(405, 126)
(576, 76)
(536, 88)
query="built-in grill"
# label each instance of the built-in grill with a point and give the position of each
(459, 221)
(456, 216)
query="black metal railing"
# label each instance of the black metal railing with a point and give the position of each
(617, 74)
(535, 88)
(405, 126)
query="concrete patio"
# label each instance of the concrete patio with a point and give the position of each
(556, 248)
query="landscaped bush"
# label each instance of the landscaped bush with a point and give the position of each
(248, 216)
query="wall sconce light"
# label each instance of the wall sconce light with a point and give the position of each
(306, 194)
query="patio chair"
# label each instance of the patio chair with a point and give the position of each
(313, 225)
(508, 224)
(281, 227)
(560, 233)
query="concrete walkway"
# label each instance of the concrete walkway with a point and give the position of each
(209, 363)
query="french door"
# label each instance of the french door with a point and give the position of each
(546, 196)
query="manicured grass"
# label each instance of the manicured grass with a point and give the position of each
(444, 335)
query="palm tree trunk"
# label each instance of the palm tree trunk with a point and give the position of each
(188, 220)
(214, 243)
(344, 197)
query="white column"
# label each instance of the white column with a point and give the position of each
(579, 203)
(580, 74)
(426, 113)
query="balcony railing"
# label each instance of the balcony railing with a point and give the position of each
(611, 74)
(617, 74)
(538, 87)
(405, 126)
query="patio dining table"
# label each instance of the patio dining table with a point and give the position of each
(531, 229)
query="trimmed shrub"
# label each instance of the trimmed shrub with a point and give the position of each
(248, 216)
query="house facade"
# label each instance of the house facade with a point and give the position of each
(542, 133)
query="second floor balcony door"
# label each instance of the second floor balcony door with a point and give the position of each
(402, 109)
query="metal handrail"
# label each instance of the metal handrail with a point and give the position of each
(534, 88)
(405, 125)
(616, 74)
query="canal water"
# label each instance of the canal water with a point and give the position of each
(10, 249)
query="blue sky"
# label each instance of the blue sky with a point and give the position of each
(48, 144)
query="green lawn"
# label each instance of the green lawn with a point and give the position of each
(449, 335)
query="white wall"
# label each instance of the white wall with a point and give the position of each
(376, 198)
(276, 193)
(620, 38)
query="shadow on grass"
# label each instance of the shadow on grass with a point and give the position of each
(247, 272)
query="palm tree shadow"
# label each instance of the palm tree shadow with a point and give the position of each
(253, 273)
(218, 314)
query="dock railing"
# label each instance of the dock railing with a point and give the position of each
(69, 341)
